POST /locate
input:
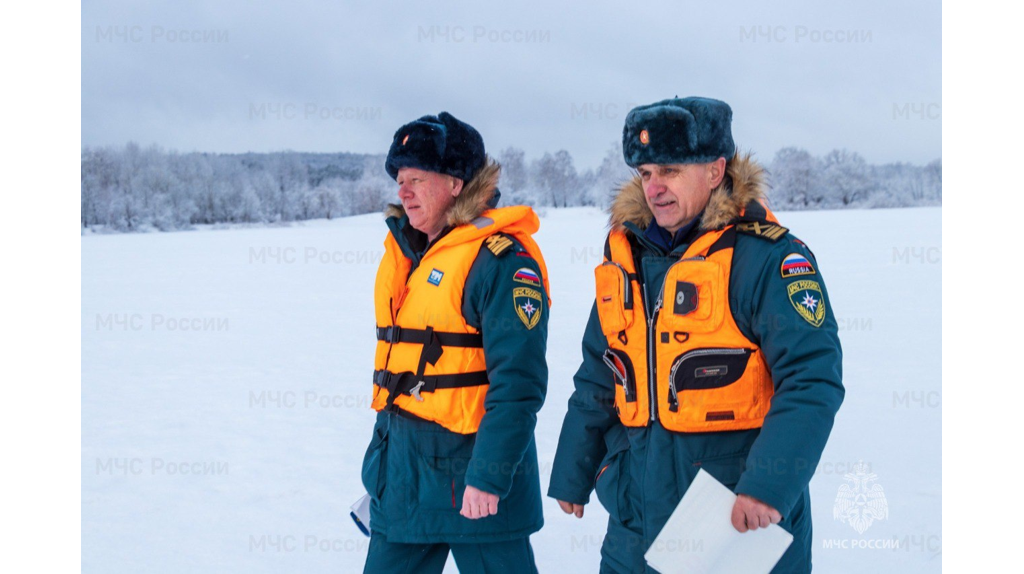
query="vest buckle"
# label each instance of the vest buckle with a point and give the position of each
(383, 379)
(393, 333)
(415, 391)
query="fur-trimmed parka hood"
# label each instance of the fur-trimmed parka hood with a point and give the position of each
(726, 203)
(476, 197)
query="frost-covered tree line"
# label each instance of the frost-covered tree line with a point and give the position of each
(842, 179)
(552, 180)
(139, 189)
(797, 181)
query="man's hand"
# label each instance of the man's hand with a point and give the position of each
(478, 504)
(570, 508)
(750, 513)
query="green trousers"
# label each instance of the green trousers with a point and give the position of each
(512, 556)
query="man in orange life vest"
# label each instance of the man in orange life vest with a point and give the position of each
(461, 304)
(711, 344)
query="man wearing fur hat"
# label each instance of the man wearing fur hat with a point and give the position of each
(461, 304)
(711, 345)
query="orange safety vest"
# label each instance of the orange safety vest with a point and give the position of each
(707, 376)
(429, 361)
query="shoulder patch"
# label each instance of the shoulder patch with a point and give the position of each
(498, 244)
(529, 305)
(528, 276)
(795, 264)
(808, 300)
(769, 231)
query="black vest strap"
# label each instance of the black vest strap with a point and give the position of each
(433, 343)
(396, 334)
(754, 212)
(408, 383)
(726, 241)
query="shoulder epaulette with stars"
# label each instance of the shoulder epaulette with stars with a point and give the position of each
(498, 244)
(770, 231)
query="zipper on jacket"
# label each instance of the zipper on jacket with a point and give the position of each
(652, 328)
(651, 374)
(652, 355)
(672, 390)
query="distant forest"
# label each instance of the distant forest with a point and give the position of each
(132, 188)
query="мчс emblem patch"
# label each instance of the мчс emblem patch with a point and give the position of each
(795, 264)
(528, 276)
(528, 305)
(808, 300)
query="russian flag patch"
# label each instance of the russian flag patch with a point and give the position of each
(795, 264)
(528, 276)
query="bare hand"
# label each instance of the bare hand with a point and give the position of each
(478, 504)
(570, 508)
(750, 513)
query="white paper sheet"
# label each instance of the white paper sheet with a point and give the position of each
(360, 513)
(699, 537)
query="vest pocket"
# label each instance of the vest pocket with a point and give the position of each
(704, 382)
(622, 370)
(694, 297)
(614, 298)
(625, 382)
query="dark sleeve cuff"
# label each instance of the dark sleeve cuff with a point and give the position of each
(491, 476)
(765, 494)
(567, 496)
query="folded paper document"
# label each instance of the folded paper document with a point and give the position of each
(699, 537)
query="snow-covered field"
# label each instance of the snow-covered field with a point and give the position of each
(225, 392)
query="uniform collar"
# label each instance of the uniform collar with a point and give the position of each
(668, 242)
(413, 242)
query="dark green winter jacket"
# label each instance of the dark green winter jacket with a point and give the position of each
(416, 471)
(649, 469)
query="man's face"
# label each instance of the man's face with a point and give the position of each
(676, 193)
(426, 197)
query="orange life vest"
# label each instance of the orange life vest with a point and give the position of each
(429, 361)
(705, 374)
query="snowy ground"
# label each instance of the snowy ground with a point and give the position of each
(225, 392)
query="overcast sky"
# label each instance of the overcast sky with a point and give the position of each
(230, 76)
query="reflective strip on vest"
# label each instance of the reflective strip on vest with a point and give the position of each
(708, 375)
